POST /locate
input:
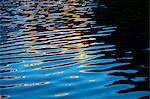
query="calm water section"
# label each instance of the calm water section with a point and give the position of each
(57, 50)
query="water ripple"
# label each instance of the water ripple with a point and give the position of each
(57, 49)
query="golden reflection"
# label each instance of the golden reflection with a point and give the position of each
(73, 38)
(39, 61)
(32, 51)
(63, 51)
(82, 61)
(33, 64)
(62, 94)
(86, 71)
(32, 26)
(74, 77)
(52, 28)
(71, 19)
(82, 56)
(37, 69)
(55, 46)
(76, 20)
(33, 37)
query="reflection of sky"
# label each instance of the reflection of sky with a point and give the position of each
(59, 53)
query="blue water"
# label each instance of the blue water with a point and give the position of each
(56, 50)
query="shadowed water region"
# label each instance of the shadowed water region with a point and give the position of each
(73, 49)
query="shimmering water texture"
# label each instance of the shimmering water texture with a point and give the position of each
(55, 49)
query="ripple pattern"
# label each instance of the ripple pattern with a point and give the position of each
(53, 49)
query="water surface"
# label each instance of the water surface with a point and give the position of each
(57, 49)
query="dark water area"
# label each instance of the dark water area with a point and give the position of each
(74, 49)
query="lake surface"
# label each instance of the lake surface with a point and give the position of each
(56, 49)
